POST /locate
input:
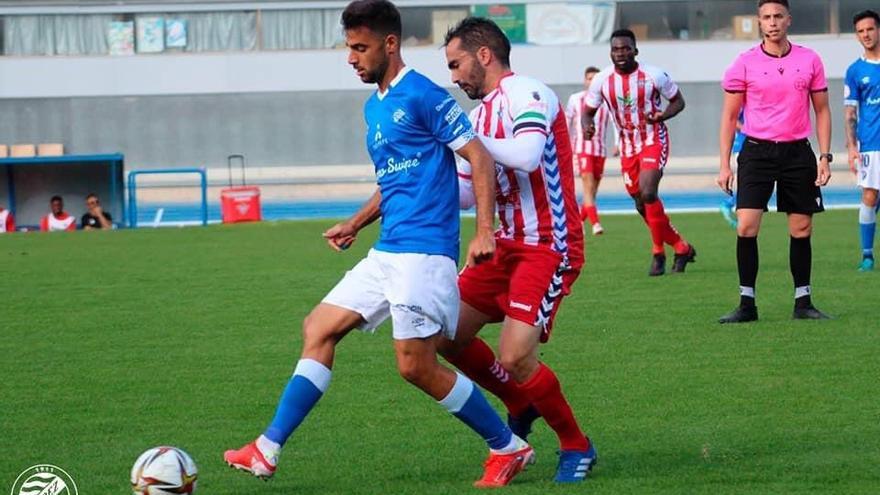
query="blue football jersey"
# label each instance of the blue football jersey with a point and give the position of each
(412, 130)
(862, 90)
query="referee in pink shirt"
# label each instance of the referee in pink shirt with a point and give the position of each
(775, 82)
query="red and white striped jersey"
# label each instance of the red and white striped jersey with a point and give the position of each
(51, 223)
(573, 112)
(631, 97)
(7, 222)
(536, 208)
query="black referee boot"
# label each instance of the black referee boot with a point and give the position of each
(808, 313)
(741, 314)
(658, 265)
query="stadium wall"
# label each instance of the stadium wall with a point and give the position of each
(304, 107)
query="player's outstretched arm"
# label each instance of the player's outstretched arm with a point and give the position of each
(343, 234)
(733, 102)
(482, 246)
(823, 134)
(851, 123)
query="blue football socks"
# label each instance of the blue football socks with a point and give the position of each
(867, 226)
(310, 380)
(467, 403)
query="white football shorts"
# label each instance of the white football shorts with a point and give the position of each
(869, 170)
(418, 291)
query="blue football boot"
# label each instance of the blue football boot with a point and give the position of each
(575, 465)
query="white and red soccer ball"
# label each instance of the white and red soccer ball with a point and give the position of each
(164, 470)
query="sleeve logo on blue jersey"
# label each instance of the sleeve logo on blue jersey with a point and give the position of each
(467, 135)
(453, 114)
(442, 104)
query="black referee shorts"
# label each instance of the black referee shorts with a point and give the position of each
(791, 166)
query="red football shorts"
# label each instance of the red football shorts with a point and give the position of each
(589, 164)
(651, 157)
(525, 283)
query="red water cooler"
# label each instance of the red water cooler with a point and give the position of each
(240, 203)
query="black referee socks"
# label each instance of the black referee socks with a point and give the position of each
(747, 263)
(800, 258)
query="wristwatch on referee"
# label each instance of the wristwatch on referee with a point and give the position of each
(829, 156)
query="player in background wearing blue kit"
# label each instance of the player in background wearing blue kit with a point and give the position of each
(413, 129)
(862, 103)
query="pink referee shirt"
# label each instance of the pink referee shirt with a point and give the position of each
(777, 91)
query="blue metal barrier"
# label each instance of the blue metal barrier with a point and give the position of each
(132, 190)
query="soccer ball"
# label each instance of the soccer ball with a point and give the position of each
(164, 470)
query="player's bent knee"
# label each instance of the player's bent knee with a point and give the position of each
(315, 333)
(414, 371)
(519, 366)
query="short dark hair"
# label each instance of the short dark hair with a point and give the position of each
(56, 198)
(475, 32)
(91, 195)
(624, 33)
(784, 3)
(591, 69)
(379, 16)
(866, 14)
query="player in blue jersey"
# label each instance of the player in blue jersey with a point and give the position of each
(862, 100)
(410, 275)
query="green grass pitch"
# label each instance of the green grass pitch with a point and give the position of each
(114, 342)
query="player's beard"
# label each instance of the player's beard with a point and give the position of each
(473, 87)
(377, 74)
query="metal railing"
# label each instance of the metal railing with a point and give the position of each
(132, 190)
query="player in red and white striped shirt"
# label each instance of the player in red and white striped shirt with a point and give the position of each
(7, 221)
(589, 155)
(539, 250)
(633, 94)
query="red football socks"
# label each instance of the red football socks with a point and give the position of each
(662, 231)
(545, 393)
(591, 213)
(478, 362)
(657, 221)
